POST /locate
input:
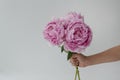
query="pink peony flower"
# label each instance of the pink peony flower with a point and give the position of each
(54, 32)
(74, 16)
(70, 31)
(78, 36)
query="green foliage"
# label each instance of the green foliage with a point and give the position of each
(69, 55)
(62, 48)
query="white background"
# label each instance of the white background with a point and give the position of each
(26, 55)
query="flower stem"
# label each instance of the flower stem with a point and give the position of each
(77, 70)
(78, 73)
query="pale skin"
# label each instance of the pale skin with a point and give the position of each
(110, 55)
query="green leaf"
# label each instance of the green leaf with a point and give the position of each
(69, 55)
(62, 48)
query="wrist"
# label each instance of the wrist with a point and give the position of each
(85, 62)
(88, 61)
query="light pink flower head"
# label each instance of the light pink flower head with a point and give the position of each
(70, 31)
(74, 16)
(54, 32)
(78, 36)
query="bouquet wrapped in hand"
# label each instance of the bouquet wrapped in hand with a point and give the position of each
(70, 33)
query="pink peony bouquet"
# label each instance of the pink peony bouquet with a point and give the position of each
(71, 33)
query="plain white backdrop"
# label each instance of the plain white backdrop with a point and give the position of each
(26, 55)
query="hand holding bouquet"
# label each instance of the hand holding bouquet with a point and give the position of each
(70, 33)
